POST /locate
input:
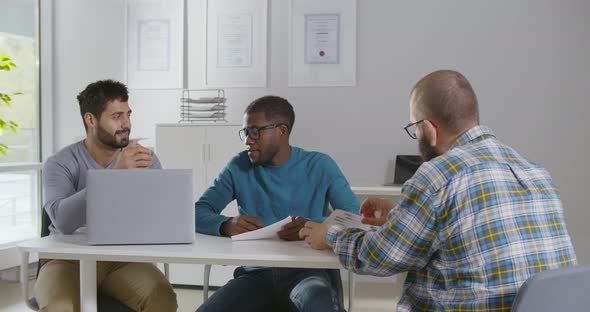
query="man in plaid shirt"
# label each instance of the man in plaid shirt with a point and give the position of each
(475, 221)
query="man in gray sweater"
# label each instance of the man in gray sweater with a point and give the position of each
(106, 116)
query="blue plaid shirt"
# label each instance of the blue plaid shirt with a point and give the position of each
(472, 225)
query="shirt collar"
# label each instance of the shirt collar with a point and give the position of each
(473, 135)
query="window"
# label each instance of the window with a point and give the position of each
(20, 168)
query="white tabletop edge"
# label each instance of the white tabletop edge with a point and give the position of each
(377, 190)
(205, 250)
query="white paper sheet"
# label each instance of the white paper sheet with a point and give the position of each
(269, 231)
(349, 220)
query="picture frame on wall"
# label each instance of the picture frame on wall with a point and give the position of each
(235, 43)
(155, 36)
(322, 43)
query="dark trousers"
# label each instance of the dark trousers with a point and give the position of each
(278, 289)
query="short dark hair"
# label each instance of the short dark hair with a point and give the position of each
(95, 97)
(448, 98)
(273, 107)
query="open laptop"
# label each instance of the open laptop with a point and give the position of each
(140, 206)
(405, 167)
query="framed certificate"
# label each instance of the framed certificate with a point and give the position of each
(153, 51)
(155, 35)
(322, 38)
(235, 43)
(322, 43)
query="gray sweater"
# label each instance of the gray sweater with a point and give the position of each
(64, 183)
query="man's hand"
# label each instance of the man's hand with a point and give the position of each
(375, 210)
(240, 224)
(290, 231)
(134, 156)
(315, 234)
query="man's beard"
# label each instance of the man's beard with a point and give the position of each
(265, 158)
(110, 140)
(426, 150)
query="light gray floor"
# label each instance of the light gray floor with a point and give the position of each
(370, 297)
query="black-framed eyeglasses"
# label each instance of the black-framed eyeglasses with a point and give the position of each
(254, 132)
(411, 128)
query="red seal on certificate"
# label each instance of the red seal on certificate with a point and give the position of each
(322, 53)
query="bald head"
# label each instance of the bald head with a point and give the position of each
(446, 98)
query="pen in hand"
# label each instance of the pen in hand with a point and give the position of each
(240, 224)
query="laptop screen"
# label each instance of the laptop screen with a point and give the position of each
(139, 206)
(405, 167)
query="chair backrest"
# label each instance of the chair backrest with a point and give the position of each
(560, 290)
(45, 223)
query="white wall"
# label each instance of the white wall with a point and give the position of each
(88, 46)
(527, 61)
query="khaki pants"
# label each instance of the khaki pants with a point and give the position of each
(141, 286)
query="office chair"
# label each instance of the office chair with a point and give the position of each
(104, 303)
(561, 290)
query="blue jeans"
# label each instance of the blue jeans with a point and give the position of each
(278, 289)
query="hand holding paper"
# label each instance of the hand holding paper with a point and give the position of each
(240, 224)
(314, 234)
(266, 232)
(348, 219)
(290, 231)
(375, 210)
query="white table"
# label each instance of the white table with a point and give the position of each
(377, 190)
(206, 250)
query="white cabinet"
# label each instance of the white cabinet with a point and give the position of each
(205, 148)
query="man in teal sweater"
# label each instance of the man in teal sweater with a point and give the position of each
(272, 180)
